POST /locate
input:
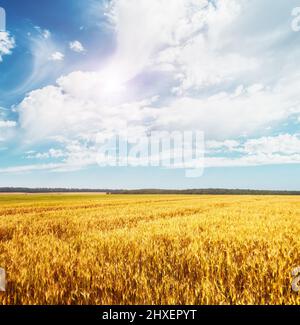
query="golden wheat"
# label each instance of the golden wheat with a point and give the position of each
(95, 249)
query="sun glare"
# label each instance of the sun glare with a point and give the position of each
(113, 85)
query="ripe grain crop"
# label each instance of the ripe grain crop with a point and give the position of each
(147, 249)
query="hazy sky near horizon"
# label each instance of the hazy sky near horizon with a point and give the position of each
(74, 70)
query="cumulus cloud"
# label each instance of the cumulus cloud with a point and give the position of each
(219, 146)
(84, 100)
(281, 149)
(240, 113)
(51, 153)
(7, 129)
(206, 58)
(228, 84)
(76, 46)
(57, 56)
(7, 124)
(283, 144)
(150, 26)
(7, 44)
(46, 33)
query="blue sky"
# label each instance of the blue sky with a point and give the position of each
(73, 72)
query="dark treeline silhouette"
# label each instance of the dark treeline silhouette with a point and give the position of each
(48, 190)
(149, 191)
(209, 191)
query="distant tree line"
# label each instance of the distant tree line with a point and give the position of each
(48, 190)
(211, 191)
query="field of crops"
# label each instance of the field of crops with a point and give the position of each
(111, 249)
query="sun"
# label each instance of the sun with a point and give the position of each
(113, 85)
(113, 82)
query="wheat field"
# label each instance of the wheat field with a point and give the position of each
(148, 249)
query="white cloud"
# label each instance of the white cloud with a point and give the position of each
(29, 168)
(51, 153)
(206, 58)
(272, 150)
(70, 110)
(7, 124)
(284, 144)
(7, 129)
(225, 83)
(41, 49)
(76, 46)
(241, 113)
(144, 27)
(227, 145)
(281, 149)
(82, 104)
(46, 111)
(46, 33)
(7, 44)
(57, 56)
